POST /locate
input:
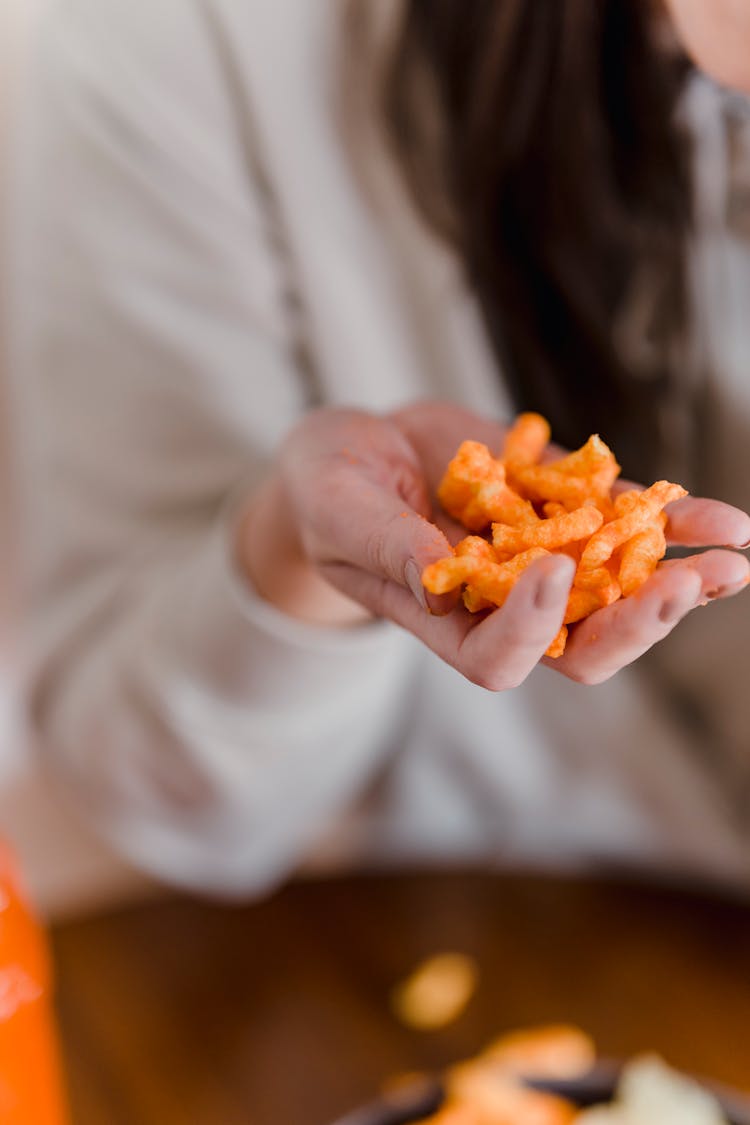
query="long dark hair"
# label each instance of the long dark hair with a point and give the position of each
(559, 173)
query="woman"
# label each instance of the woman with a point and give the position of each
(205, 253)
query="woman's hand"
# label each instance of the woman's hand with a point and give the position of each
(349, 507)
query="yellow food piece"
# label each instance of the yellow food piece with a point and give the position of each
(437, 992)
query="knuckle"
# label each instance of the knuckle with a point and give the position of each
(375, 549)
(478, 674)
(590, 677)
(495, 680)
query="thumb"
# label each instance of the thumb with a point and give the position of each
(379, 532)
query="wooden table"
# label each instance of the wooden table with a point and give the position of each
(278, 1014)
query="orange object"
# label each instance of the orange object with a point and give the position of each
(30, 1078)
(535, 507)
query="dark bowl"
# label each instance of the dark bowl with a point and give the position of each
(410, 1104)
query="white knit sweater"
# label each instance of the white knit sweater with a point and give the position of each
(196, 265)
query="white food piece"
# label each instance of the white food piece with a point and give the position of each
(651, 1093)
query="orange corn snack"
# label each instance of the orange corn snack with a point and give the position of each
(474, 490)
(639, 559)
(557, 646)
(556, 531)
(492, 580)
(536, 507)
(586, 474)
(527, 440)
(646, 507)
(476, 547)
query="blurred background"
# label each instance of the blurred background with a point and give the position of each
(239, 832)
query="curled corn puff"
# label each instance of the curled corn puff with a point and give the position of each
(625, 502)
(492, 581)
(586, 474)
(526, 441)
(473, 600)
(446, 574)
(645, 509)
(474, 547)
(640, 557)
(557, 647)
(593, 458)
(582, 603)
(597, 579)
(474, 490)
(471, 465)
(557, 531)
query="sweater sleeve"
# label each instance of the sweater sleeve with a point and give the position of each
(209, 736)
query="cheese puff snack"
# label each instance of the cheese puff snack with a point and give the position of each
(528, 507)
(474, 490)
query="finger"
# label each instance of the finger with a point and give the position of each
(696, 522)
(497, 652)
(722, 573)
(504, 648)
(374, 530)
(387, 599)
(614, 637)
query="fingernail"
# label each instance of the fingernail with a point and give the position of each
(552, 586)
(728, 589)
(413, 580)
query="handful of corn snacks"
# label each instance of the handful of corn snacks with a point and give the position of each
(526, 508)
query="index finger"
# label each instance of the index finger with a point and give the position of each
(698, 522)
